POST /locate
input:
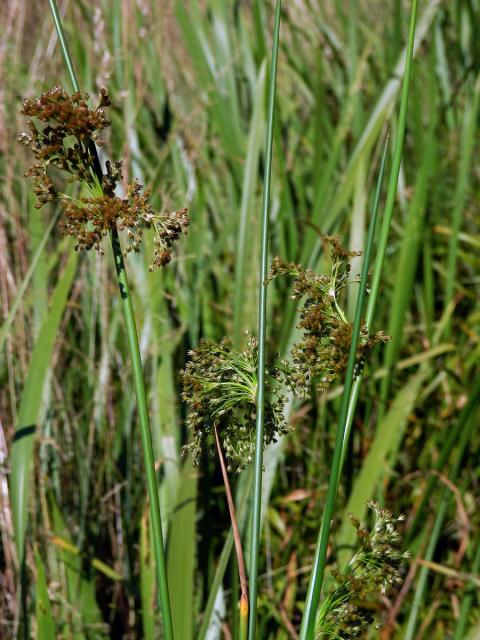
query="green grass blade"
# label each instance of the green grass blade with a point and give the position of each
(408, 260)
(262, 317)
(25, 282)
(43, 609)
(377, 462)
(84, 612)
(245, 485)
(467, 145)
(434, 535)
(244, 253)
(395, 171)
(22, 448)
(468, 599)
(181, 554)
(448, 445)
(381, 110)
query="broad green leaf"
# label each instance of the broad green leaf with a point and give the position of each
(377, 463)
(22, 448)
(181, 554)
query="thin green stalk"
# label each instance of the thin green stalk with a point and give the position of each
(470, 593)
(318, 569)
(349, 401)
(139, 384)
(437, 527)
(262, 316)
(388, 214)
(353, 395)
(395, 171)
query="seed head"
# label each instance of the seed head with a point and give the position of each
(375, 569)
(220, 388)
(66, 140)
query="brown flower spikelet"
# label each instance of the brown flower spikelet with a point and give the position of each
(321, 355)
(67, 142)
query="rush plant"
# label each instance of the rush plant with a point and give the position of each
(63, 133)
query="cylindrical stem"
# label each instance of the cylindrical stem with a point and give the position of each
(146, 435)
(149, 459)
(262, 321)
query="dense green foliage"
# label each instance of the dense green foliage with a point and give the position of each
(188, 84)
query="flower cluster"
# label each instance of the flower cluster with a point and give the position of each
(220, 388)
(321, 355)
(66, 140)
(374, 569)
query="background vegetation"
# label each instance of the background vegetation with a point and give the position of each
(188, 82)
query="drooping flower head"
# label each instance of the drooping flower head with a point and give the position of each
(63, 132)
(220, 389)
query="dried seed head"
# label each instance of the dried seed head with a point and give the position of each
(66, 140)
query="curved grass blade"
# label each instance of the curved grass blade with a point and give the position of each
(262, 317)
(22, 447)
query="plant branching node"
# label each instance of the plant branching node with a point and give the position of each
(66, 140)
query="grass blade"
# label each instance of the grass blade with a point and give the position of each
(262, 317)
(434, 535)
(25, 282)
(181, 554)
(22, 448)
(387, 440)
(318, 569)
(248, 195)
(44, 618)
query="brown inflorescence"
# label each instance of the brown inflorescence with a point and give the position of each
(67, 141)
(375, 569)
(321, 355)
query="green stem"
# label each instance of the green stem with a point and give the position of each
(318, 569)
(139, 384)
(262, 315)
(145, 431)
